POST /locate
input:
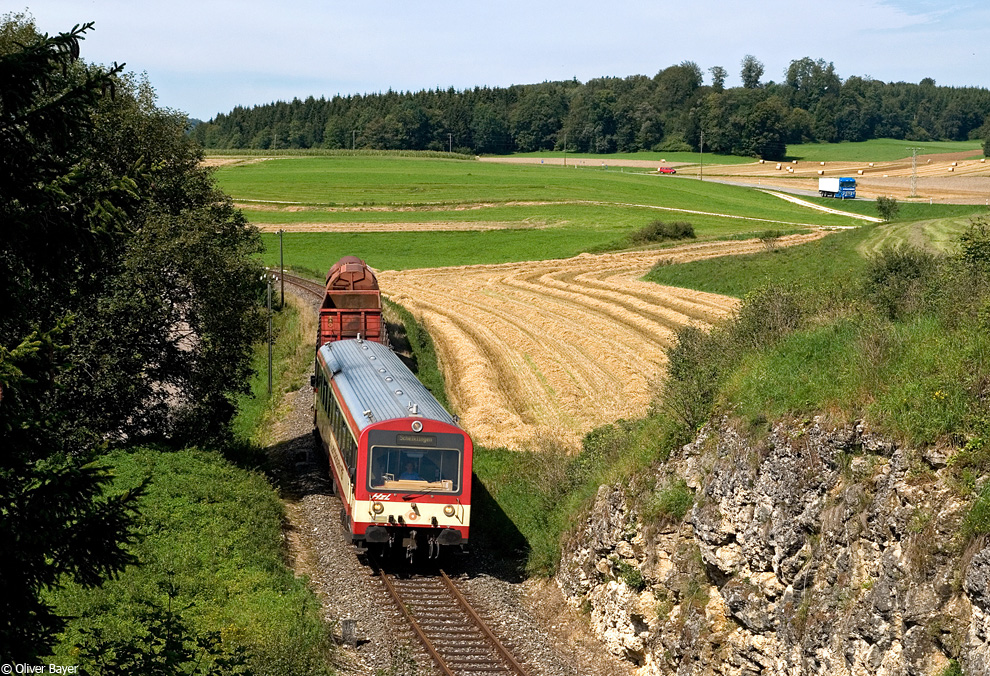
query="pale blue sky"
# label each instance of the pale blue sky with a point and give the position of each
(208, 56)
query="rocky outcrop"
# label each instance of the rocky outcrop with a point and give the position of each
(808, 550)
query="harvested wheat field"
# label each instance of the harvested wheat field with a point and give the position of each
(953, 178)
(546, 350)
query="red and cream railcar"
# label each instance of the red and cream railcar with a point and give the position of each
(401, 464)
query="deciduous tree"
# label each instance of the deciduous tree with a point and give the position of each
(127, 305)
(751, 72)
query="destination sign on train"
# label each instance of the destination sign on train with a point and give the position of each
(415, 439)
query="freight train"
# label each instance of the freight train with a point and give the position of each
(398, 460)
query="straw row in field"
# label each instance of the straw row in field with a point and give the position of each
(556, 348)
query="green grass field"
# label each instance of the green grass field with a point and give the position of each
(832, 261)
(543, 212)
(877, 150)
(406, 183)
(593, 160)
(835, 257)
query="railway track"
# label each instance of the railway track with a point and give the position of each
(309, 286)
(449, 628)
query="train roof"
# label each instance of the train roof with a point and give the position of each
(375, 385)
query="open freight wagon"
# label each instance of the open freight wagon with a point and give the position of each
(352, 306)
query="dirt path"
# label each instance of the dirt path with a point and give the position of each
(828, 210)
(549, 350)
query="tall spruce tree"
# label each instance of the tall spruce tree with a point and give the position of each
(128, 304)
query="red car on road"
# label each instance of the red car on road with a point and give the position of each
(666, 170)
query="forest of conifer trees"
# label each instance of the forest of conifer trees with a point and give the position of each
(666, 112)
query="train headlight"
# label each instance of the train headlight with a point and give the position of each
(377, 507)
(417, 426)
(448, 510)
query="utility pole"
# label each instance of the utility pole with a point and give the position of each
(450, 143)
(281, 267)
(269, 277)
(701, 167)
(565, 148)
(353, 134)
(914, 171)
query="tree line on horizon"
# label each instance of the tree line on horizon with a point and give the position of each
(669, 112)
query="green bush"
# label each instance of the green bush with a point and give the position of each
(670, 503)
(887, 207)
(897, 279)
(695, 369)
(631, 575)
(975, 244)
(952, 669)
(660, 231)
(767, 314)
(977, 521)
(211, 567)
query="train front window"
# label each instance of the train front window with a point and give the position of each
(435, 470)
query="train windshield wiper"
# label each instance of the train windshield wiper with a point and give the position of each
(418, 494)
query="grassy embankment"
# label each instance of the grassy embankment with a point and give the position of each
(210, 552)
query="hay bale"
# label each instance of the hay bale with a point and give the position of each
(778, 166)
(821, 172)
(859, 171)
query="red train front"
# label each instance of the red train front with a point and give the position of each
(400, 462)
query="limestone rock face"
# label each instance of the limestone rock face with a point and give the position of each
(808, 550)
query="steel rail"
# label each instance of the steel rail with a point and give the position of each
(481, 624)
(415, 625)
(308, 285)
